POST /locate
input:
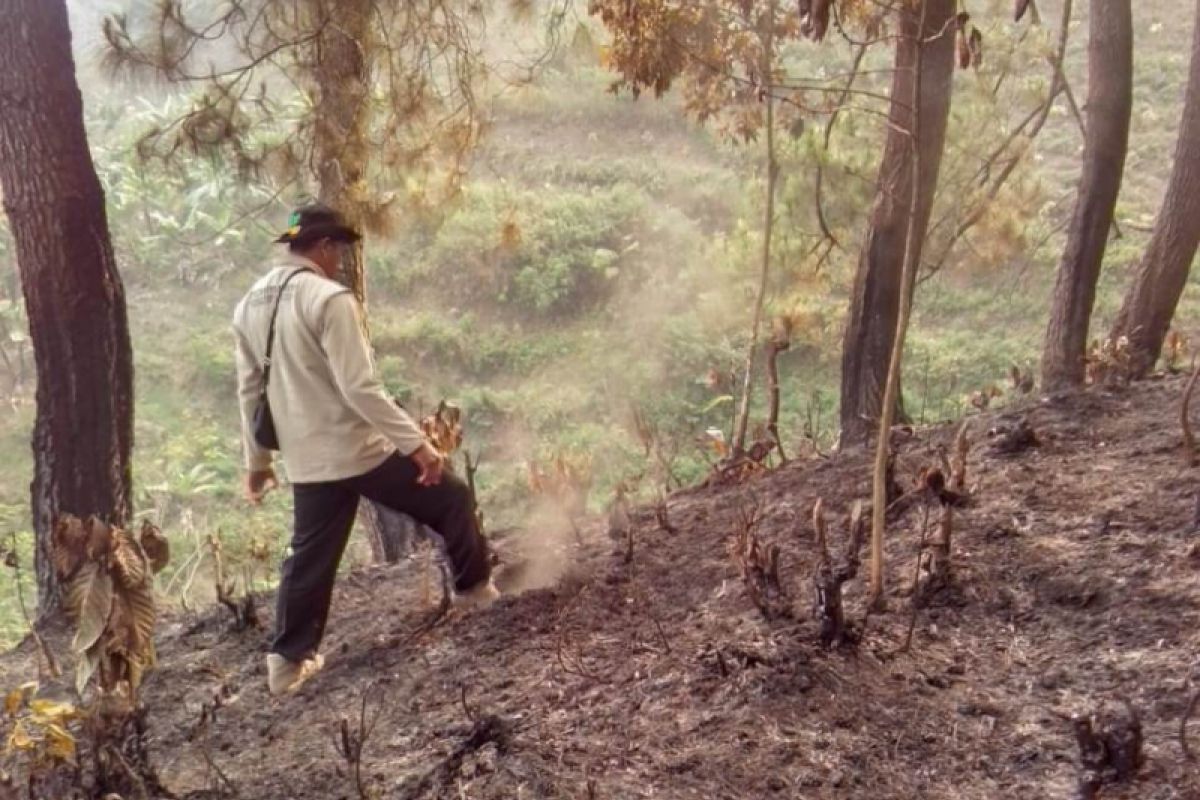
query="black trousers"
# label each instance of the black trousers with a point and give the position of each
(324, 515)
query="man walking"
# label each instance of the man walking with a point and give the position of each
(300, 337)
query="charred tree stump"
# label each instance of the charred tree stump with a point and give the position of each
(1110, 748)
(828, 580)
(1008, 441)
(758, 564)
(941, 563)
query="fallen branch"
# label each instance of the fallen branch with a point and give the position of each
(486, 730)
(466, 707)
(739, 466)
(1183, 723)
(220, 785)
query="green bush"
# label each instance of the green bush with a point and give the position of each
(541, 254)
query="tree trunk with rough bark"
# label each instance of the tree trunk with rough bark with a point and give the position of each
(74, 298)
(1109, 103)
(342, 114)
(342, 73)
(875, 299)
(1149, 305)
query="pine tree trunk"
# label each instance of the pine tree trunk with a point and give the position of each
(875, 299)
(343, 74)
(1149, 305)
(74, 299)
(1109, 103)
(391, 535)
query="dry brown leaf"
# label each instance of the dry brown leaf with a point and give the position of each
(444, 428)
(13, 702)
(90, 599)
(49, 711)
(128, 560)
(140, 617)
(156, 546)
(85, 667)
(60, 744)
(99, 538)
(20, 739)
(68, 545)
(112, 600)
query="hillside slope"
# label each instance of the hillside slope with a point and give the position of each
(1079, 582)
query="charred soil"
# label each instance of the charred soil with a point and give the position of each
(1076, 585)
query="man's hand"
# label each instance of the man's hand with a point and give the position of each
(429, 462)
(258, 483)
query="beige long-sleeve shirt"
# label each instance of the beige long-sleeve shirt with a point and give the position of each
(332, 415)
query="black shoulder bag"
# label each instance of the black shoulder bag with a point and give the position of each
(264, 422)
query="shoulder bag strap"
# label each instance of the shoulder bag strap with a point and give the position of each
(271, 329)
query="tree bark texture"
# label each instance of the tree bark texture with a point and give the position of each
(341, 154)
(1150, 302)
(342, 73)
(74, 298)
(1109, 103)
(875, 298)
(392, 535)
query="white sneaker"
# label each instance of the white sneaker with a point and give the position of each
(284, 676)
(478, 598)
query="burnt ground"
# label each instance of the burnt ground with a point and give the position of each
(1078, 584)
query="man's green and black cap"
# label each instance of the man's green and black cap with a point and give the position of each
(312, 223)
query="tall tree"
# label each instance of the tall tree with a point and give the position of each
(341, 117)
(1149, 305)
(74, 298)
(913, 234)
(876, 296)
(341, 158)
(1109, 104)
